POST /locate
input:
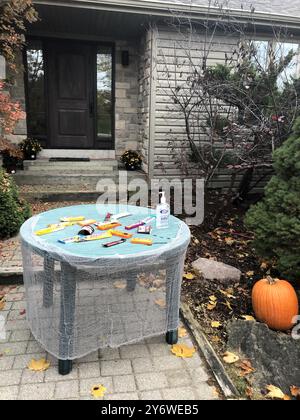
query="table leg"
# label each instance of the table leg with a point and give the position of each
(173, 283)
(67, 312)
(48, 282)
(131, 281)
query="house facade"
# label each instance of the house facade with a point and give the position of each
(95, 79)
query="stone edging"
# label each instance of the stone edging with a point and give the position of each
(228, 388)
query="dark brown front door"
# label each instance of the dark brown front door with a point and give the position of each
(70, 95)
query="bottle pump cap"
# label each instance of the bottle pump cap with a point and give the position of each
(163, 198)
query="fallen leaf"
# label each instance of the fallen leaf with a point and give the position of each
(215, 339)
(246, 368)
(228, 304)
(182, 350)
(161, 303)
(152, 289)
(213, 298)
(275, 393)
(229, 241)
(182, 332)
(228, 295)
(248, 317)
(264, 265)
(216, 324)
(230, 358)
(295, 392)
(189, 276)
(211, 306)
(2, 303)
(119, 285)
(249, 392)
(250, 273)
(98, 391)
(23, 312)
(38, 365)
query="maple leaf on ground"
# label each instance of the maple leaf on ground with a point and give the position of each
(119, 285)
(248, 317)
(182, 332)
(38, 365)
(249, 392)
(295, 392)
(246, 368)
(216, 324)
(230, 358)
(98, 391)
(2, 303)
(275, 393)
(188, 276)
(182, 350)
(211, 306)
(161, 303)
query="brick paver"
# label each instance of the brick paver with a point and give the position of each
(145, 371)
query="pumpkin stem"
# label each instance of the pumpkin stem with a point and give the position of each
(271, 280)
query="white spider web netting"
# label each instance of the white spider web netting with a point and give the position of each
(76, 305)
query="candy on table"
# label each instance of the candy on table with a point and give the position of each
(96, 237)
(87, 222)
(144, 229)
(107, 217)
(72, 219)
(119, 216)
(69, 240)
(62, 224)
(121, 234)
(48, 230)
(107, 226)
(138, 241)
(134, 226)
(114, 243)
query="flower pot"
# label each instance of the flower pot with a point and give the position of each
(131, 167)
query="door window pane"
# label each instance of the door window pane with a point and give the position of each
(36, 110)
(104, 92)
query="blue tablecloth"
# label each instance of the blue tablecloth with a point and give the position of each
(163, 239)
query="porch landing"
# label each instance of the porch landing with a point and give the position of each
(45, 180)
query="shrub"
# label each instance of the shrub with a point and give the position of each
(13, 210)
(276, 219)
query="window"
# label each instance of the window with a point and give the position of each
(104, 92)
(269, 50)
(36, 109)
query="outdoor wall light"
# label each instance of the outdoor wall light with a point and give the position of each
(125, 58)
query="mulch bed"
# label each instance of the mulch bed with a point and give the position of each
(227, 240)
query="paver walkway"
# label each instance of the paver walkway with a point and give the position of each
(147, 370)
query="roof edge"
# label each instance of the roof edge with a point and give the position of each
(166, 8)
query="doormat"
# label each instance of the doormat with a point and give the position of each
(69, 159)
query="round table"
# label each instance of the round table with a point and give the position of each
(83, 296)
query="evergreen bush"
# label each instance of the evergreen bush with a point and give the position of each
(276, 219)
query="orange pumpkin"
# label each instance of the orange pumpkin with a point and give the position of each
(275, 303)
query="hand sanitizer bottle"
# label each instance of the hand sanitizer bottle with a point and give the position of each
(162, 213)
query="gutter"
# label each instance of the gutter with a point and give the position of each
(167, 8)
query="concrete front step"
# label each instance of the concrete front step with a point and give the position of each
(74, 179)
(39, 170)
(42, 164)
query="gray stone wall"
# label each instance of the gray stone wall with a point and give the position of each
(17, 92)
(126, 106)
